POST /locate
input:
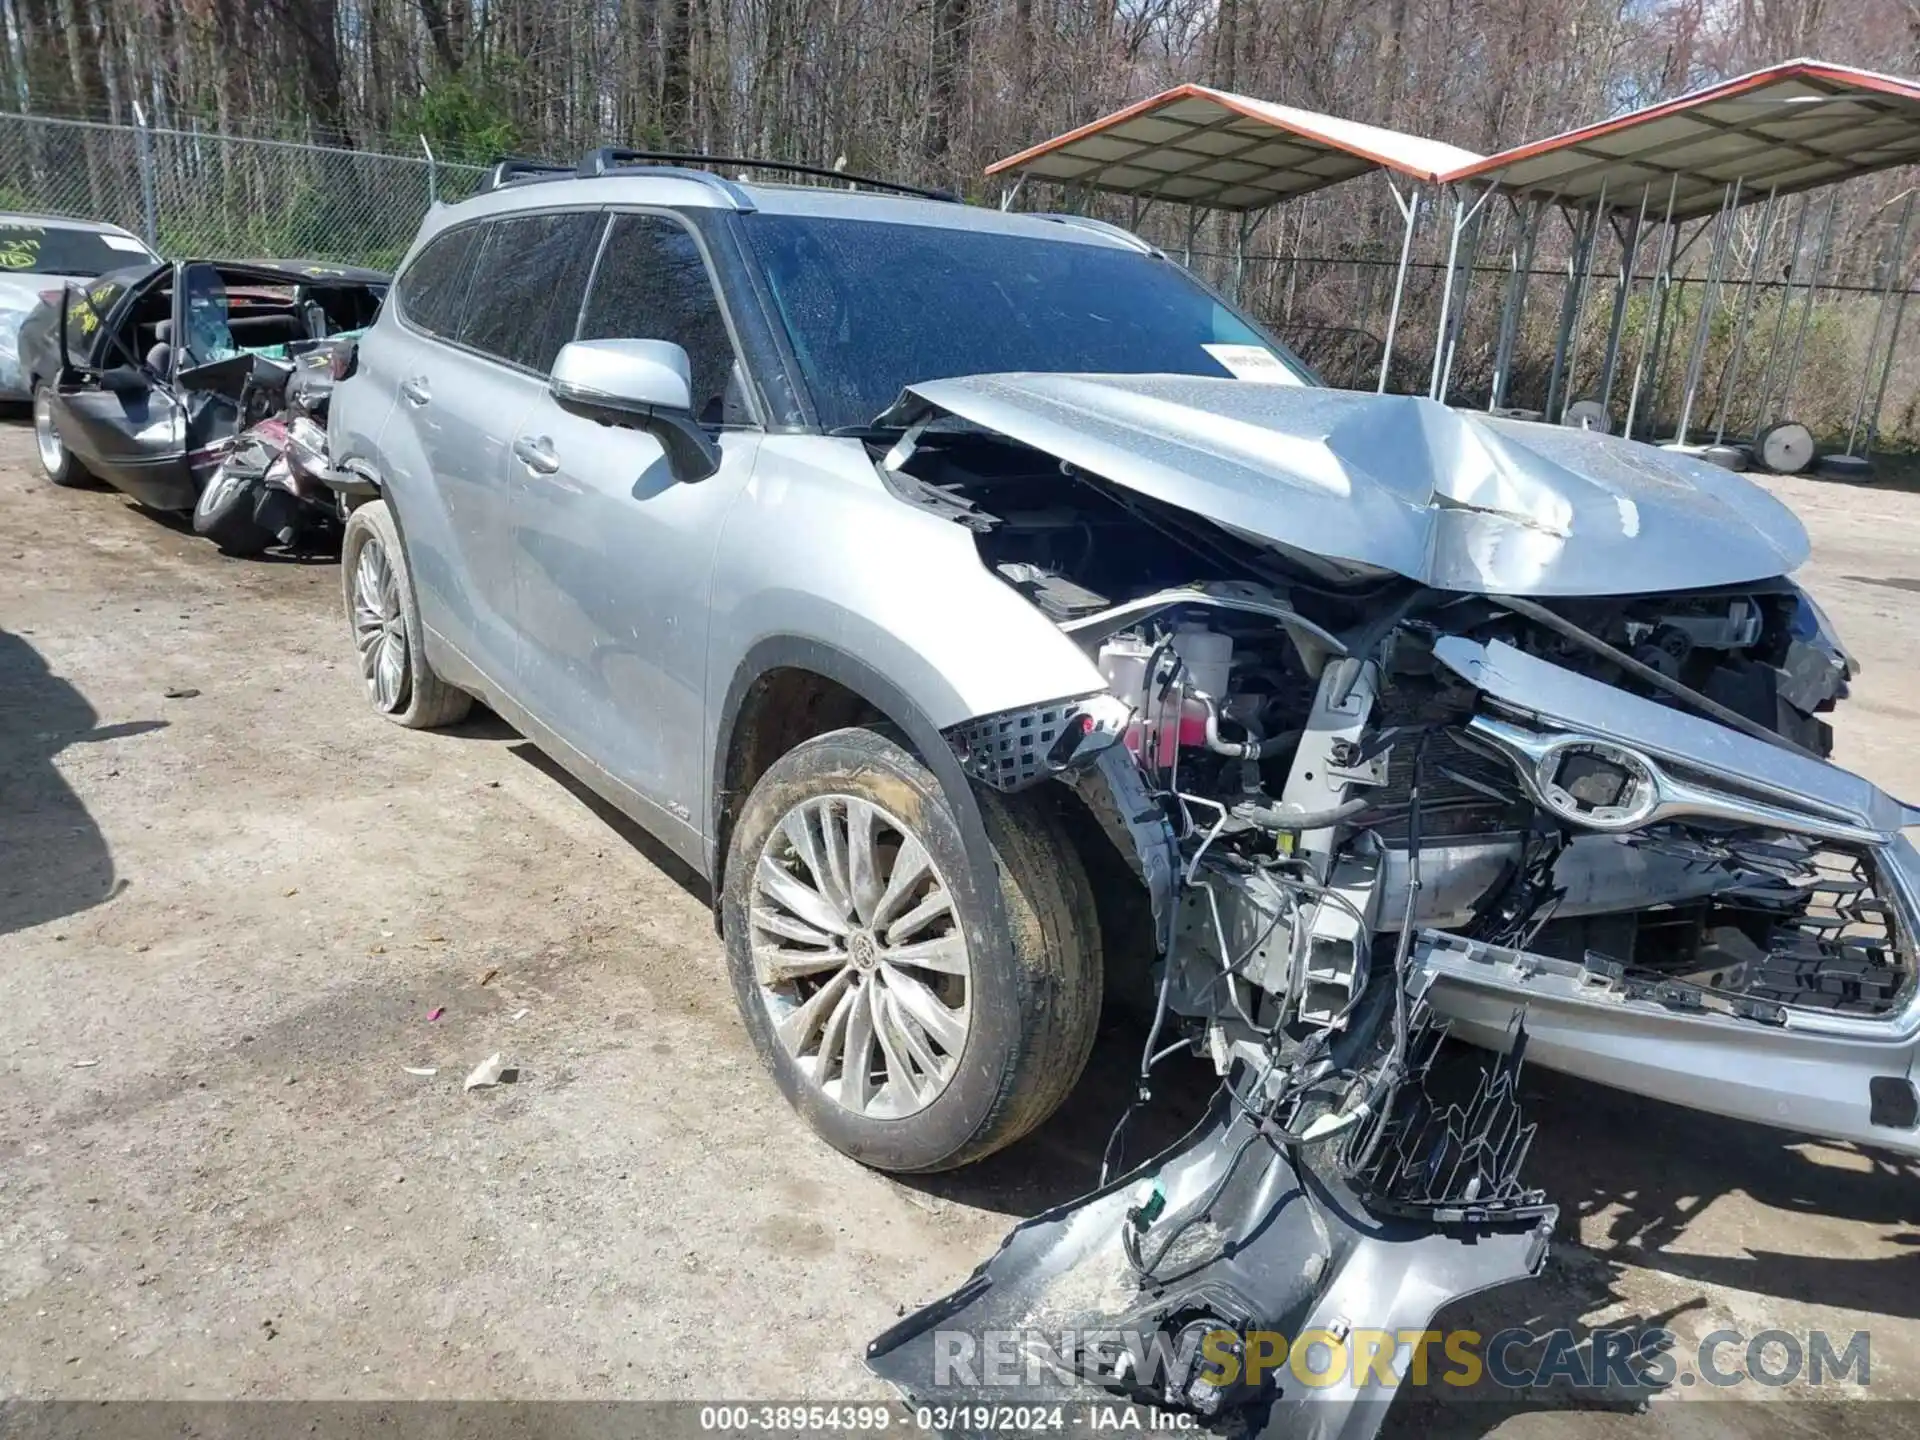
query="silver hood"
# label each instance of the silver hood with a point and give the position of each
(1456, 500)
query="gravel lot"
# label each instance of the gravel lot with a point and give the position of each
(227, 918)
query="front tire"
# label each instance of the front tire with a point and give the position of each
(56, 460)
(378, 590)
(224, 513)
(911, 1029)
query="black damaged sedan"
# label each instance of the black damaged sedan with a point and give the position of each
(143, 377)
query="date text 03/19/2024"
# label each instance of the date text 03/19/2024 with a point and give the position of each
(856, 1420)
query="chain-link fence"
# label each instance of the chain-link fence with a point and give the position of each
(196, 194)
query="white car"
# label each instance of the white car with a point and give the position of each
(38, 253)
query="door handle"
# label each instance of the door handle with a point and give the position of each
(536, 453)
(416, 390)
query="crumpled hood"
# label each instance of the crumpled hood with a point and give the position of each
(1456, 500)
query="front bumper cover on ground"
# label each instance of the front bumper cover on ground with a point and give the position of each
(1191, 1283)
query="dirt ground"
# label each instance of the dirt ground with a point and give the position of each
(228, 917)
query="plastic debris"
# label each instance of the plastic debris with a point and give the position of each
(425, 1071)
(491, 1071)
(487, 978)
(436, 1012)
(180, 692)
(85, 1064)
(522, 1013)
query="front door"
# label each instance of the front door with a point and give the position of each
(615, 555)
(132, 436)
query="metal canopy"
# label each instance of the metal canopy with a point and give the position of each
(1791, 127)
(1198, 146)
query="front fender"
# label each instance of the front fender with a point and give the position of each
(818, 568)
(818, 550)
(818, 558)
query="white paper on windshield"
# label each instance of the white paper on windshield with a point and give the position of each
(126, 242)
(1252, 362)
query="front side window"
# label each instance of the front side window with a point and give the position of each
(871, 307)
(436, 282)
(652, 284)
(87, 310)
(527, 285)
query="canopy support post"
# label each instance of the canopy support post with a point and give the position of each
(1246, 222)
(1895, 258)
(1463, 216)
(1780, 320)
(1477, 222)
(1662, 282)
(1886, 369)
(1569, 304)
(1601, 215)
(1666, 338)
(1514, 306)
(1616, 322)
(1792, 381)
(1731, 380)
(1409, 207)
(1709, 298)
(1193, 224)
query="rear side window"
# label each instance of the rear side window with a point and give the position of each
(436, 282)
(652, 284)
(527, 287)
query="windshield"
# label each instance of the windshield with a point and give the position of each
(56, 250)
(871, 307)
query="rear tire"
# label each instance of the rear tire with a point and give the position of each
(377, 588)
(56, 460)
(1019, 1003)
(224, 514)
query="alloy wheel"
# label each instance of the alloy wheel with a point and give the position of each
(860, 957)
(380, 628)
(53, 450)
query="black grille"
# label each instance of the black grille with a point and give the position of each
(1451, 1143)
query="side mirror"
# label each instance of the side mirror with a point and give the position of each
(640, 385)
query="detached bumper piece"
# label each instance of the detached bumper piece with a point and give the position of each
(1258, 1284)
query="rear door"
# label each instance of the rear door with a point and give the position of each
(615, 554)
(443, 447)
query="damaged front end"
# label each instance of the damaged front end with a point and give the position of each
(1415, 723)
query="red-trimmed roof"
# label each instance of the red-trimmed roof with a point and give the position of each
(1197, 145)
(1791, 127)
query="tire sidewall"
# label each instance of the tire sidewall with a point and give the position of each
(374, 521)
(229, 522)
(868, 765)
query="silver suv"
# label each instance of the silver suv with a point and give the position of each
(622, 424)
(1000, 620)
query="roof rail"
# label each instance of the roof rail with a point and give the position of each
(513, 169)
(609, 157)
(1099, 227)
